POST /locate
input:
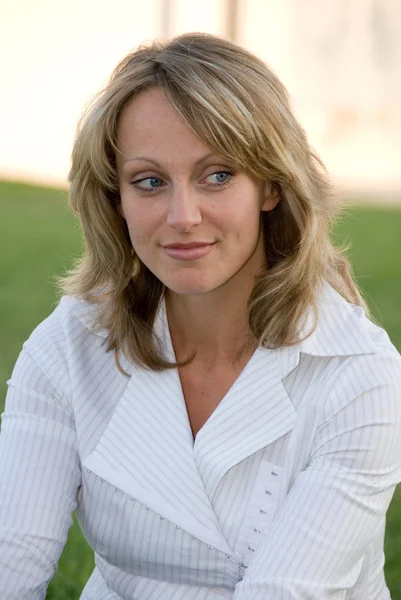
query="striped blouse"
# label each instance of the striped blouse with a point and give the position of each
(282, 495)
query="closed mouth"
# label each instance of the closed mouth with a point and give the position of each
(188, 246)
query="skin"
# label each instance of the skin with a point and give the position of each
(206, 297)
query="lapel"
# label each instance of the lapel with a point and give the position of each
(147, 452)
(147, 449)
(255, 412)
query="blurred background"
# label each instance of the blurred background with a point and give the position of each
(341, 62)
(340, 59)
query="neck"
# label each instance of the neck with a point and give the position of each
(217, 331)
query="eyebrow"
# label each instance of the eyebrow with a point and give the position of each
(154, 162)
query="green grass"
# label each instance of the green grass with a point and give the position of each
(39, 239)
(375, 238)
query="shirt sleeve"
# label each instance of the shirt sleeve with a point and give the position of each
(39, 470)
(337, 505)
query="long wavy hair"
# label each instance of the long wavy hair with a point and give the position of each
(237, 107)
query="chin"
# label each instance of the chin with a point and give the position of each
(190, 288)
(194, 290)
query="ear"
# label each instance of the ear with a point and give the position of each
(271, 197)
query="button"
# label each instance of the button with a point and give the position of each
(102, 480)
(131, 498)
(210, 547)
(193, 537)
(257, 530)
(161, 518)
(262, 512)
(268, 493)
(177, 526)
(117, 490)
(274, 473)
(243, 566)
(251, 549)
(228, 556)
(240, 578)
(146, 507)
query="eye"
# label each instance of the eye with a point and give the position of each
(148, 184)
(220, 178)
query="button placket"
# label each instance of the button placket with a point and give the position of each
(241, 572)
(263, 508)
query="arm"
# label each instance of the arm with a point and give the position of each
(337, 505)
(39, 470)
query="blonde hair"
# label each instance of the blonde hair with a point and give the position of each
(237, 107)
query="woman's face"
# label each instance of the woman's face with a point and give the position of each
(193, 217)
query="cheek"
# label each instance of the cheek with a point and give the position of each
(142, 223)
(243, 210)
(243, 224)
(139, 237)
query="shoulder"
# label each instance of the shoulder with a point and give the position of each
(359, 364)
(71, 315)
(70, 327)
(343, 360)
(45, 363)
(343, 329)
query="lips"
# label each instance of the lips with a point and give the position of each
(184, 246)
(188, 251)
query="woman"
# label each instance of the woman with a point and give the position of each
(209, 395)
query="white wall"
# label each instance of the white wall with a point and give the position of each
(340, 60)
(54, 56)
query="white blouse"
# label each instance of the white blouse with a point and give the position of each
(282, 496)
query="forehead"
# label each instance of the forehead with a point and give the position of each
(149, 123)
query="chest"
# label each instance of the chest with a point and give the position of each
(203, 391)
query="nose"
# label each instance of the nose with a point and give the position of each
(183, 211)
